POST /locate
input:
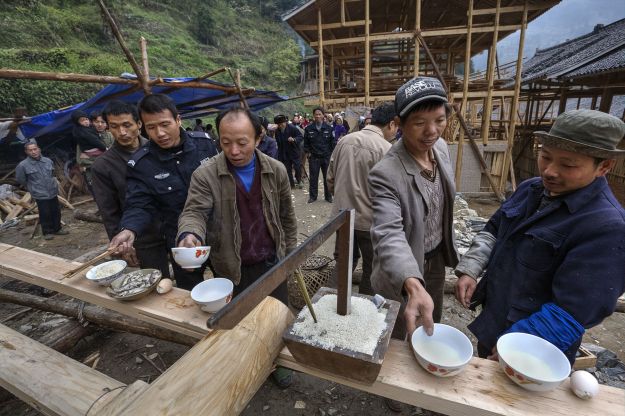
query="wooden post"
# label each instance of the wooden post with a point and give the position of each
(488, 101)
(120, 39)
(344, 265)
(465, 92)
(146, 66)
(606, 100)
(515, 103)
(563, 99)
(367, 55)
(331, 80)
(321, 64)
(417, 29)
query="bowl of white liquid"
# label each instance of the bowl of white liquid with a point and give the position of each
(443, 354)
(531, 362)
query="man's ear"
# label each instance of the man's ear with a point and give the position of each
(605, 166)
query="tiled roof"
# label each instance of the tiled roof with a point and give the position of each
(600, 50)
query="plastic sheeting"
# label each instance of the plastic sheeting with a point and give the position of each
(191, 103)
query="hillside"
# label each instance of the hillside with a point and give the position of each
(185, 38)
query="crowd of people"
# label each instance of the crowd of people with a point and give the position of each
(550, 262)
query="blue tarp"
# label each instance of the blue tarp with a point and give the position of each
(191, 103)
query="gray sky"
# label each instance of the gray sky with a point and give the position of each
(567, 20)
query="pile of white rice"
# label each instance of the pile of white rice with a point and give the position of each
(359, 331)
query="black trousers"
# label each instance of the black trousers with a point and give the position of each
(315, 164)
(362, 247)
(153, 255)
(251, 273)
(293, 164)
(49, 215)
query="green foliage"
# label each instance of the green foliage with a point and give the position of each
(185, 38)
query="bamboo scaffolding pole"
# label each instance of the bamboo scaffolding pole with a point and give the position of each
(321, 63)
(367, 54)
(122, 43)
(104, 79)
(143, 43)
(417, 29)
(488, 101)
(237, 82)
(463, 123)
(465, 92)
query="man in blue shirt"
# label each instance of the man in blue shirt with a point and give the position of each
(554, 253)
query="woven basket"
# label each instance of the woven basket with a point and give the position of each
(316, 270)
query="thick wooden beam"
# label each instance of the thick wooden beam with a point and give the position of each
(344, 264)
(48, 380)
(222, 372)
(481, 389)
(326, 26)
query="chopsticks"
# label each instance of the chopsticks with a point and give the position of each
(302, 288)
(86, 264)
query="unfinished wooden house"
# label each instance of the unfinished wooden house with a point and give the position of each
(366, 50)
(585, 72)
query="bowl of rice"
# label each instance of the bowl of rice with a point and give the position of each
(103, 274)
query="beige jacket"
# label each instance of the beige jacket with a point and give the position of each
(399, 212)
(350, 164)
(211, 212)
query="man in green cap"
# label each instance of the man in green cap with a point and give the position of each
(554, 253)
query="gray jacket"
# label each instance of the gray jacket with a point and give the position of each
(38, 177)
(399, 213)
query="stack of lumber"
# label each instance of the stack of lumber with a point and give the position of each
(14, 207)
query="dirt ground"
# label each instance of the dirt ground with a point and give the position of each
(120, 352)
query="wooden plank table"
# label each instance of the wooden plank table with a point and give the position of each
(174, 310)
(482, 389)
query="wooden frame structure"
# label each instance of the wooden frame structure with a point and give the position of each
(367, 49)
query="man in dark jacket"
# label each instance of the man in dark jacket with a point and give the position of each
(555, 250)
(318, 146)
(158, 179)
(109, 185)
(267, 144)
(289, 138)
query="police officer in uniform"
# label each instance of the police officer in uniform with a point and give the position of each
(158, 179)
(318, 146)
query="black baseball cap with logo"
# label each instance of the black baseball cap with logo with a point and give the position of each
(416, 91)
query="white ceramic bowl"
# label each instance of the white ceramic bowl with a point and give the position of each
(190, 258)
(443, 354)
(213, 294)
(531, 362)
(103, 274)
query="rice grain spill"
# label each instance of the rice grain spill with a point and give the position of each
(359, 331)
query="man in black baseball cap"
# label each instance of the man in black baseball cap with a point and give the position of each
(556, 249)
(412, 192)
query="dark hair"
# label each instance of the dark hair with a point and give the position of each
(254, 119)
(598, 160)
(209, 127)
(95, 114)
(383, 114)
(320, 109)
(157, 103)
(119, 107)
(198, 121)
(427, 105)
